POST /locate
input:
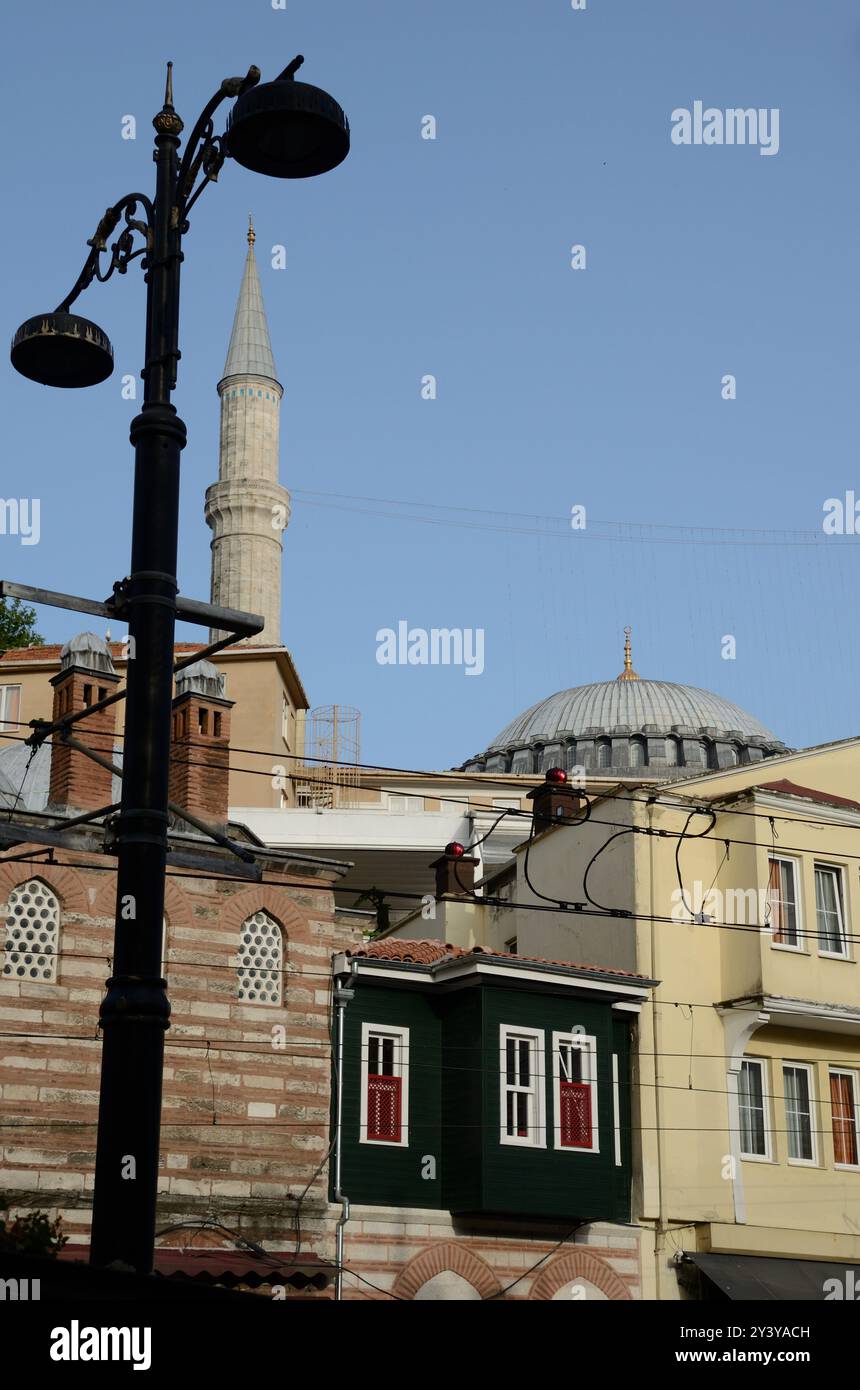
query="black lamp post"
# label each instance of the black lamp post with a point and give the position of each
(290, 130)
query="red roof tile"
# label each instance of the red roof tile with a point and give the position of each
(52, 653)
(809, 793)
(430, 952)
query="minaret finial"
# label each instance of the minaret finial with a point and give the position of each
(252, 235)
(628, 674)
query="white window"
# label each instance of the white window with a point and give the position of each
(829, 912)
(797, 1089)
(403, 805)
(32, 933)
(574, 1075)
(752, 1090)
(506, 803)
(522, 1087)
(844, 1113)
(384, 1085)
(261, 958)
(783, 901)
(10, 707)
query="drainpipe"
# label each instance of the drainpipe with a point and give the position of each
(342, 970)
(656, 1032)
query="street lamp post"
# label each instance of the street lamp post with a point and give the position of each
(287, 129)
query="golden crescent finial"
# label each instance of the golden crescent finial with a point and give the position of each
(628, 674)
(252, 235)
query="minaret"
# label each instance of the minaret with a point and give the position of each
(247, 508)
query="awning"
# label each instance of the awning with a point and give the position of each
(759, 1278)
(231, 1267)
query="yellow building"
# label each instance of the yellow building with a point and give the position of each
(738, 889)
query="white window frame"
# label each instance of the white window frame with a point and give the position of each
(412, 805)
(841, 900)
(401, 1061)
(616, 1111)
(586, 1043)
(813, 1129)
(855, 1093)
(767, 1156)
(5, 695)
(799, 947)
(537, 1090)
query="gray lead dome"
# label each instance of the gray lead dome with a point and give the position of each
(629, 727)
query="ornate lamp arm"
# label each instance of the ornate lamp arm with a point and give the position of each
(122, 250)
(205, 149)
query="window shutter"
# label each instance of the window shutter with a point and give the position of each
(575, 1111)
(383, 1107)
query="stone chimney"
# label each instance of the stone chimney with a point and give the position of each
(86, 676)
(200, 747)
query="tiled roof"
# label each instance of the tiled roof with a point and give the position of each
(53, 651)
(431, 952)
(808, 793)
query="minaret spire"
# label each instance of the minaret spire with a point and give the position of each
(248, 508)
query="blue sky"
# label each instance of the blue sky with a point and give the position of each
(556, 387)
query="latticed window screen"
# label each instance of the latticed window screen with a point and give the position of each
(574, 1099)
(384, 1088)
(261, 958)
(32, 933)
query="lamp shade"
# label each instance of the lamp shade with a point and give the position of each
(288, 129)
(61, 349)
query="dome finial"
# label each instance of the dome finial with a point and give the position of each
(628, 674)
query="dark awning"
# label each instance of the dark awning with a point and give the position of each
(760, 1278)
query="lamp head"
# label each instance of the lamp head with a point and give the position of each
(62, 349)
(287, 129)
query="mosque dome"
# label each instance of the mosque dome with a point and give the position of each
(629, 727)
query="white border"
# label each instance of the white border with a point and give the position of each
(800, 947)
(386, 1030)
(539, 1126)
(587, 1043)
(810, 1073)
(616, 1111)
(767, 1156)
(846, 1071)
(839, 870)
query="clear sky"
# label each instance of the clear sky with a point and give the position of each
(555, 387)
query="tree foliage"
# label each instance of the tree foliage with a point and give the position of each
(18, 625)
(33, 1234)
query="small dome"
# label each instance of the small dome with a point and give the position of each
(89, 651)
(201, 679)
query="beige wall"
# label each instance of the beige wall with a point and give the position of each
(257, 683)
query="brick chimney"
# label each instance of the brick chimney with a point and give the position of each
(455, 872)
(86, 676)
(200, 747)
(554, 799)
